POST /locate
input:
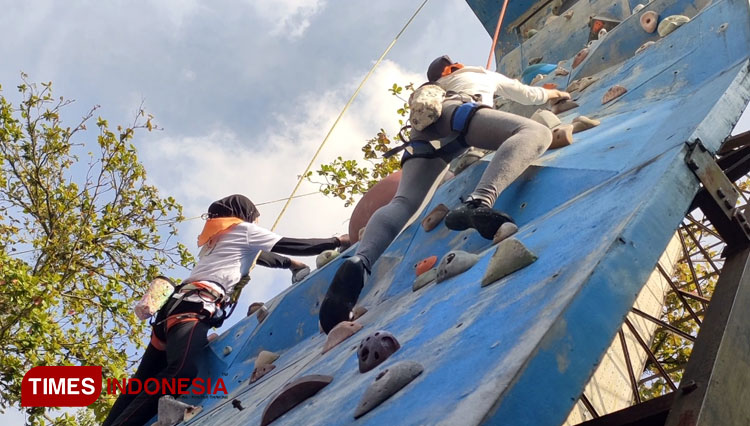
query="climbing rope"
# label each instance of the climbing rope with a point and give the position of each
(497, 33)
(346, 107)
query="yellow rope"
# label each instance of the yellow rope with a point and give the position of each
(351, 99)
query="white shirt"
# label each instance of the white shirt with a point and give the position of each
(231, 257)
(477, 80)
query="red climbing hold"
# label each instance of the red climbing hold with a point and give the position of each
(580, 56)
(561, 106)
(376, 348)
(425, 265)
(292, 395)
(613, 93)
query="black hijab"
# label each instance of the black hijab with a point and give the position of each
(235, 205)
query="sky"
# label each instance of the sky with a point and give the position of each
(244, 91)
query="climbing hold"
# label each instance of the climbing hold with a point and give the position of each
(425, 264)
(325, 257)
(262, 314)
(454, 263)
(531, 33)
(357, 312)
(254, 307)
(171, 411)
(211, 337)
(550, 86)
(546, 117)
(424, 279)
(723, 27)
(510, 256)
(506, 230)
(261, 371)
(568, 14)
(582, 123)
(471, 156)
(537, 79)
(300, 274)
(638, 8)
(561, 106)
(341, 332)
(534, 61)
(581, 84)
(265, 358)
(580, 56)
(645, 46)
(376, 348)
(292, 394)
(387, 383)
(671, 23)
(435, 217)
(561, 71)
(236, 403)
(227, 350)
(562, 136)
(602, 33)
(614, 92)
(649, 20)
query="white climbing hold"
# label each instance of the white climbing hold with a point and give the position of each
(582, 123)
(602, 33)
(426, 278)
(645, 46)
(265, 358)
(638, 8)
(538, 78)
(227, 350)
(506, 230)
(172, 411)
(325, 257)
(454, 263)
(546, 117)
(510, 256)
(300, 274)
(671, 23)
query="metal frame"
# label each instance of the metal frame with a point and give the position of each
(719, 366)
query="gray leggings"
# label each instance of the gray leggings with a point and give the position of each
(517, 140)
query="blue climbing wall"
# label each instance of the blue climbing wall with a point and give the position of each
(598, 214)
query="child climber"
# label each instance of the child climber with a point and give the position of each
(467, 119)
(230, 242)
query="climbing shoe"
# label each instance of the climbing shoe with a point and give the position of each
(343, 293)
(475, 214)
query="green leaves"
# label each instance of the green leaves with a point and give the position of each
(347, 179)
(79, 241)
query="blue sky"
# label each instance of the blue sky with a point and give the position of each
(244, 90)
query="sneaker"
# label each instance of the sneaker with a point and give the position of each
(475, 214)
(343, 293)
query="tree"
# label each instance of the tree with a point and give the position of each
(346, 179)
(79, 241)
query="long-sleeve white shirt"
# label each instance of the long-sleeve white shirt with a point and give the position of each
(477, 80)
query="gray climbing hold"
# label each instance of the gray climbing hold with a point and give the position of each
(436, 216)
(376, 348)
(559, 107)
(582, 123)
(387, 383)
(506, 230)
(300, 274)
(454, 263)
(534, 61)
(172, 411)
(325, 257)
(424, 279)
(645, 46)
(531, 33)
(671, 23)
(568, 14)
(546, 117)
(341, 332)
(471, 156)
(510, 256)
(260, 371)
(227, 350)
(265, 358)
(292, 395)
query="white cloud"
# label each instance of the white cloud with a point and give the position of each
(288, 17)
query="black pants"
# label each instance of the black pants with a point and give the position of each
(184, 341)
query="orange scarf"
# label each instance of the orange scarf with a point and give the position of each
(448, 70)
(215, 227)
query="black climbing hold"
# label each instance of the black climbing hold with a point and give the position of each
(292, 394)
(237, 404)
(376, 348)
(387, 383)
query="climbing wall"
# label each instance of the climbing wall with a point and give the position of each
(596, 215)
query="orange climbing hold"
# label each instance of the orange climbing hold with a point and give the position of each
(435, 217)
(425, 265)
